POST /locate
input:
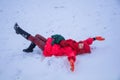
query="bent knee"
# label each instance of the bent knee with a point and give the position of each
(37, 35)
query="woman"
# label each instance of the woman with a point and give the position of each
(56, 45)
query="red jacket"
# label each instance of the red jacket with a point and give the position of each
(57, 50)
(69, 48)
(80, 47)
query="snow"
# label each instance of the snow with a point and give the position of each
(76, 19)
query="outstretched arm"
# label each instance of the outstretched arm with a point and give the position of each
(72, 62)
(89, 41)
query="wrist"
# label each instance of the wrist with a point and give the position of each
(94, 38)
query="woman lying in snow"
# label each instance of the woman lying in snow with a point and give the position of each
(56, 45)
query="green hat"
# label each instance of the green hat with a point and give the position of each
(57, 38)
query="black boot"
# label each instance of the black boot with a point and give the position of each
(21, 31)
(30, 48)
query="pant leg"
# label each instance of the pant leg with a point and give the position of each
(38, 40)
(41, 37)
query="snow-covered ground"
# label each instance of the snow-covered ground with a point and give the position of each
(76, 19)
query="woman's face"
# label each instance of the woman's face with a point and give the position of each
(81, 45)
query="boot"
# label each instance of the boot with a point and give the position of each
(30, 48)
(21, 31)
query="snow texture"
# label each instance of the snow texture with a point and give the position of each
(76, 19)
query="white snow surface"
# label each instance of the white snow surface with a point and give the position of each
(76, 19)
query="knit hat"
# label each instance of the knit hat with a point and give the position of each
(57, 38)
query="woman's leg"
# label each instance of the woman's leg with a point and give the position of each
(20, 31)
(38, 40)
(40, 37)
(30, 48)
(26, 35)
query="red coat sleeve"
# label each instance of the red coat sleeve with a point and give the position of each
(89, 41)
(70, 53)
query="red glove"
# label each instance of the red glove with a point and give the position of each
(72, 64)
(99, 38)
